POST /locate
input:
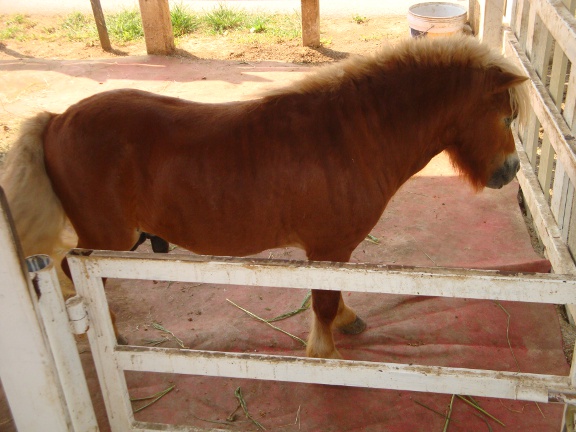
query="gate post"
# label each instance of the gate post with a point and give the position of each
(27, 368)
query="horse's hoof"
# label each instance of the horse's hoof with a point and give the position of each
(121, 340)
(354, 328)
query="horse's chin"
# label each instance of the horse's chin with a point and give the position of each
(505, 173)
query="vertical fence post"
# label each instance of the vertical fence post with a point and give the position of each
(310, 23)
(486, 20)
(157, 26)
(62, 343)
(101, 25)
(27, 368)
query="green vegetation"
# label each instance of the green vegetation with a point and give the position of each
(77, 26)
(183, 22)
(359, 19)
(223, 18)
(126, 26)
(15, 27)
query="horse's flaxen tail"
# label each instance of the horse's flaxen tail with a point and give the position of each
(36, 210)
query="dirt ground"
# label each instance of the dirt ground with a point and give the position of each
(340, 37)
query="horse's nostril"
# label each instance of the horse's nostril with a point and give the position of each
(513, 163)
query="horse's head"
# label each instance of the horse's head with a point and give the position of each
(482, 145)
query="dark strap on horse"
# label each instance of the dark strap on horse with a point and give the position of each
(159, 245)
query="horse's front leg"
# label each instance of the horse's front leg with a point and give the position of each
(330, 311)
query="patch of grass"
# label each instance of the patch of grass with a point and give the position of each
(18, 19)
(126, 25)
(16, 26)
(78, 26)
(223, 18)
(359, 19)
(183, 22)
(11, 32)
(285, 26)
(270, 28)
(257, 23)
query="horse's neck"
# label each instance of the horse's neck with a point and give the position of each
(416, 119)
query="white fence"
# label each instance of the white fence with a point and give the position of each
(88, 268)
(543, 40)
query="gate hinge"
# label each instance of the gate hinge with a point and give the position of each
(77, 315)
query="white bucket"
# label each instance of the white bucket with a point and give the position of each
(436, 19)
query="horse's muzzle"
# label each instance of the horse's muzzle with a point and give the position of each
(506, 173)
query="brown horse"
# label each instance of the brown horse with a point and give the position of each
(312, 165)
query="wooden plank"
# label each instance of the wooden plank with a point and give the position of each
(563, 204)
(310, 22)
(563, 191)
(157, 26)
(443, 282)
(538, 45)
(562, 197)
(556, 249)
(546, 166)
(539, 49)
(448, 380)
(27, 369)
(522, 32)
(561, 137)
(561, 23)
(489, 21)
(101, 25)
(570, 103)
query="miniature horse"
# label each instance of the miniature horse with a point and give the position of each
(312, 165)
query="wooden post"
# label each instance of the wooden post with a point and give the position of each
(310, 23)
(101, 25)
(486, 20)
(157, 26)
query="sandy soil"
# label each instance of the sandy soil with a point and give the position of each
(339, 36)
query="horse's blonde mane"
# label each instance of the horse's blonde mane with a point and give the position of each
(463, 51)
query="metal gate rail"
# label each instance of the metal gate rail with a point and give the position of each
(89, 267)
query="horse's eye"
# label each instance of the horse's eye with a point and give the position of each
(508, 120)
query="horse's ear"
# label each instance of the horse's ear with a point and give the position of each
(501, 80)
